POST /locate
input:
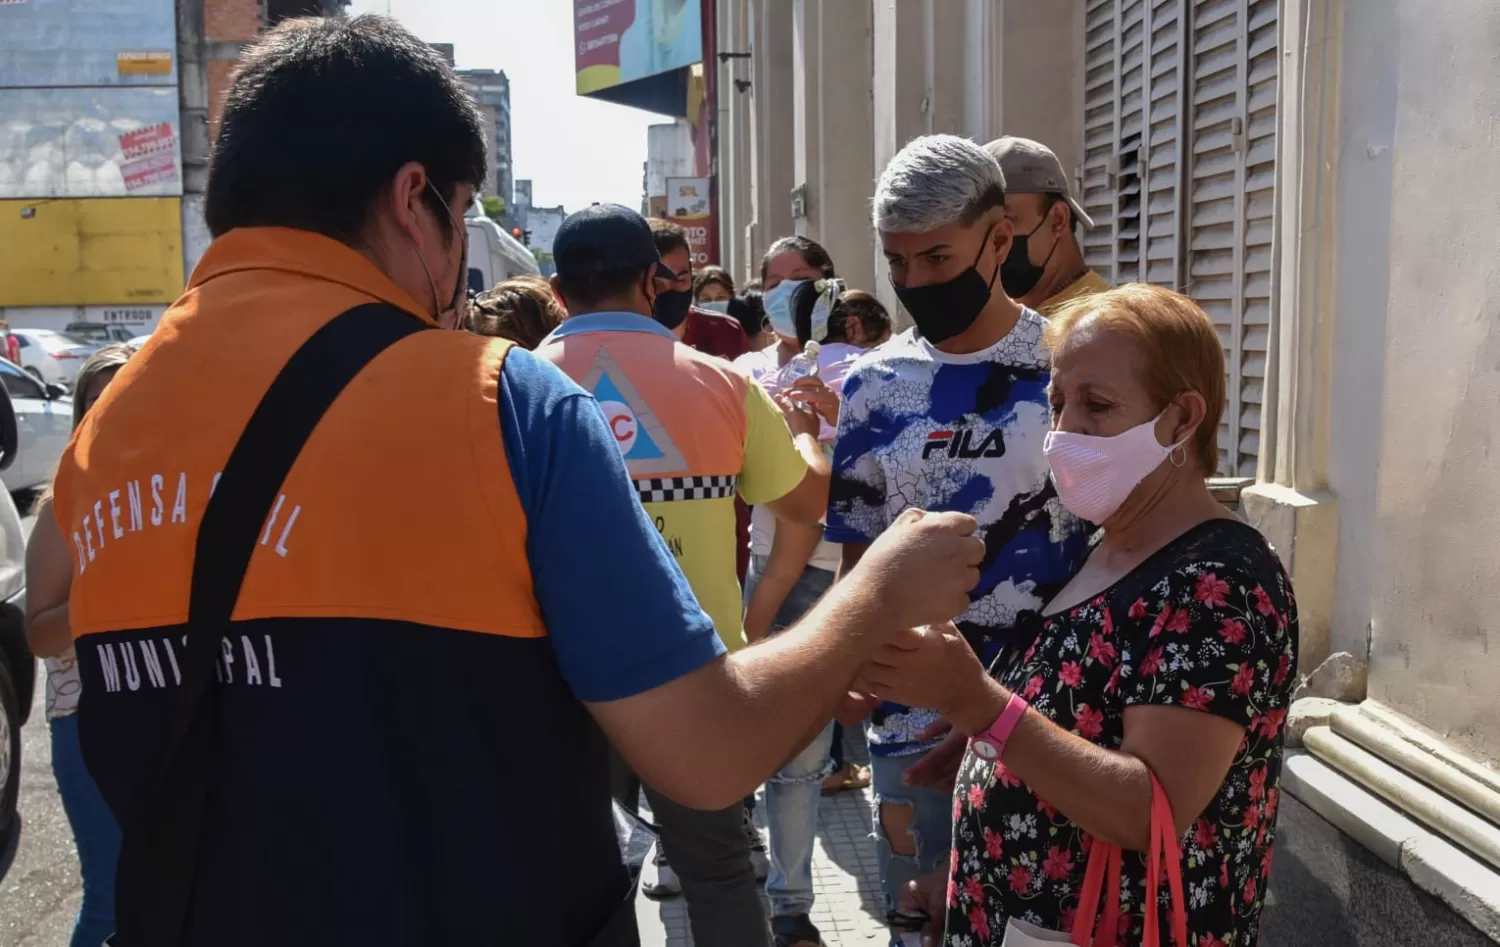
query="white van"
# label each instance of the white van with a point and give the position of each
(494, 255)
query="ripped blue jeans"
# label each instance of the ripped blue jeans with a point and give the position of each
(931, 832)
(792, 794)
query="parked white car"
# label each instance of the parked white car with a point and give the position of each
(53, 357)
(44, 423)
(17, 666)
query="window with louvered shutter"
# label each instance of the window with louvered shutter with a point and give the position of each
(1130, 178)
(1231, 202)
(1097, 191)
(1130, 128)
(1166, 30)
(1179, 169)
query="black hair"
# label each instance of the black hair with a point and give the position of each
(871, 313)
(803, 301)
(670, 237)
(992, 198)
(321, 115)
(591, 285)
(712, 276)
(750, 309)
(812, 252)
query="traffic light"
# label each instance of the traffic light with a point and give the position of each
(522, 235)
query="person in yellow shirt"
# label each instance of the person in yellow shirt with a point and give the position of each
(694, 434)
(1045, 267)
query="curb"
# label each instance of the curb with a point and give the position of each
(1467, 885)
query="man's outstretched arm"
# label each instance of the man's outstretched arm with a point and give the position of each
(630, 639)
(711, 736)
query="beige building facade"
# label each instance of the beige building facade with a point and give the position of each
(1320, 175)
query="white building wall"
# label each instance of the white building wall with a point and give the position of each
(734, 164)
(834, 124)
(773, 128)
(1418, 287)
(1377, 423)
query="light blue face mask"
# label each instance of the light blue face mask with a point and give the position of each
(720, 306)
(778, 303)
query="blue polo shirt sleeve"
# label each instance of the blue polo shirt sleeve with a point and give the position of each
(619, 612)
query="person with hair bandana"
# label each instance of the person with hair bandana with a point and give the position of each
(791, 567)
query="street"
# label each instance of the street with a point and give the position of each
(39, 883)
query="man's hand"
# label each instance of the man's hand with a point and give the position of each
(928, 893)
(799, 419)
(939, 768)
(817, 396)
(921, 569)
(934, 667)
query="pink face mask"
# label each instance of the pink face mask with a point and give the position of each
(1094, 475)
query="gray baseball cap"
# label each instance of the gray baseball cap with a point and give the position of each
(1031, 168)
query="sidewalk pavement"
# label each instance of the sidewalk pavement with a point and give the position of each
(1326, 890)
(848, 911)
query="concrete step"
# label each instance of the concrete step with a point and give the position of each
(1466, 884)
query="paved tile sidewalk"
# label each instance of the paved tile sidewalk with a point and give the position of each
(848, 909)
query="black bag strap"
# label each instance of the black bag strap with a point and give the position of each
(159, 853)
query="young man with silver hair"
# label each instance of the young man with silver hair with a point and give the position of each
(950, 415)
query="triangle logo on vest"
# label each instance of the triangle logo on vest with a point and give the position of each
(647, 447)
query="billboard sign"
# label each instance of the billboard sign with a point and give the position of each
(62, 43)
(621, 41)
(689, 207)
(90, 142)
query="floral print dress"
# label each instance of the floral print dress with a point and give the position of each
(1207, 623)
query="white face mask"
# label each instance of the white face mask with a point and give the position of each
(1094, 475)
(720, 306)
(778, 303)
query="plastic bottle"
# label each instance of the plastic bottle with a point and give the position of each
(802, 365)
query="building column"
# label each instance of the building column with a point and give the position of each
(1040, 88)
(772, 93)
(1291, 504)
(900, 102)
(833, 170)
(734, 137)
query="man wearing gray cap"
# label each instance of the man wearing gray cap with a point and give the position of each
(1045, 267)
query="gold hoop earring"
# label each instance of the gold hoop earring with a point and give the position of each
(1172, 456)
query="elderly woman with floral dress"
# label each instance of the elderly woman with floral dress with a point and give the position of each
(1171, 653)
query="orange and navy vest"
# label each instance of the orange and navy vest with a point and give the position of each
(399, 758)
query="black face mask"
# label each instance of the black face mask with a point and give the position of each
(672, 307)
(1018, 275)
(943, 310)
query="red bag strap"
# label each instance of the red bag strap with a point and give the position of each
(1088, 897)
(1102, 879)
(1104, 863)
(1164, 846)
(1109, 932)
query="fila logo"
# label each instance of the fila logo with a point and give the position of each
(960, 444)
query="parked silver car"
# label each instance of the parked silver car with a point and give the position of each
(44, 422)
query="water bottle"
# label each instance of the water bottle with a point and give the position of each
(802, 365)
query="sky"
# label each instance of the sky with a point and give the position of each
(575, 150)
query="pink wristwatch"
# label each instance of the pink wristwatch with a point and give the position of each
(991, 743)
